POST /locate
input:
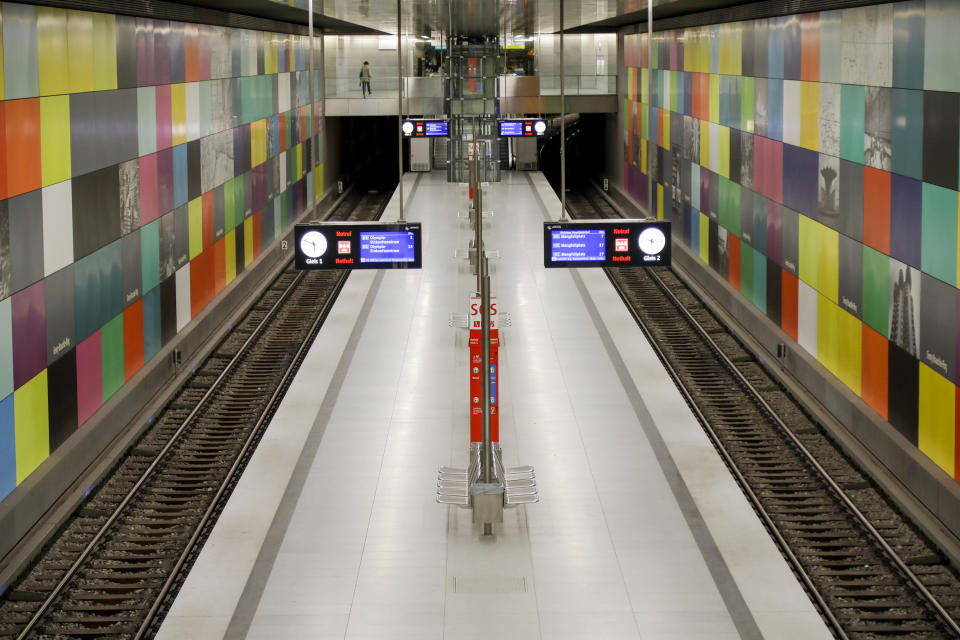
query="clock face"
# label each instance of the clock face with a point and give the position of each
(313, 244)
(540, 126)
(651, 241)
(407, 127)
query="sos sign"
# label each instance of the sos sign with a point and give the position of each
(476, 317)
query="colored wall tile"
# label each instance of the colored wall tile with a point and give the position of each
(876, 209)
(28, 317)
(146, 120)
(152, 324)
(801, 169)
(52, 51)
(6, 347)
(111, 349)
(938, 326)
(183, 296)
(874, 380)
(57, 224)
(905, 229)
(8, 446)
(936, 419)
(195, 213)
(902, 391)
(20, 62)
(939, 235)
(908, 39)
(54, 139)
(80, 61)
(31, 421)
(876, 290)
(60, 313)
(789, 301)
(850, 274)
(810, 47)
(62, 399)
(907, 133)
(941, 129)
(852, 112)
(807, 313)
(22, 145)
(89, 377)
(104, 52)
(133, 342)
(942, 23)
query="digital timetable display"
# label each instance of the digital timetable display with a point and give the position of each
(520, 128)
(606, 243)
(425, 128)
(345, 245)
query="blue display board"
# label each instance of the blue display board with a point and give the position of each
(606, 243)
(520, 128)
(425, 128)
(362, 245)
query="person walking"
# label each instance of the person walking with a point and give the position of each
(365, 79)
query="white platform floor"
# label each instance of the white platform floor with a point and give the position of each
(334, 532)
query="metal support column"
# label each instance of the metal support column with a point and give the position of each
(563, 128)
(399, 114)
(647, 106)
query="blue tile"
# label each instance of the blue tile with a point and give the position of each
(8, 448)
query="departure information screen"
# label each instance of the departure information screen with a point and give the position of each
(520, 128)
(425, 128)
(575, 245)
(606, 243)
(363, 245)
(388, 246)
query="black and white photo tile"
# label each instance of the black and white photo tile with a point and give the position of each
(828, 191)
(829, 119)
(129, 196)
(746, 159)
(877, 146)
(904, 318)
(167, 250)
(6, 264)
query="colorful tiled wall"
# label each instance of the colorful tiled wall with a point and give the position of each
(813, 161)
(143, 165)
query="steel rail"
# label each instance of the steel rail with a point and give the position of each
(240, 461)
(148, 472)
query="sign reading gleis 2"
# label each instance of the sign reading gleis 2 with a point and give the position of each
(361, 245)
(606, 243)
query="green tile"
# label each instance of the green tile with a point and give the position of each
(876, 290)
(205, 108)
(21, 70)
(907, 133)
(831, 45)
(760, 281)
(938, 248)
(6, 348)
(746, 271)
(111, 349)
(230, 217)
(147, 120)
(729, 206)
(150, 255)
(852, 108)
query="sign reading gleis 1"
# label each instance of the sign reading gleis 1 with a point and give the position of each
(362, 245)
(606, 243)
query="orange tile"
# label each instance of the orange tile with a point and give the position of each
(132, 339)
(810, 47)
(874, 369)
(191, 52)
(3, 150)
(876, 209)
(22, 146)
(788, 303)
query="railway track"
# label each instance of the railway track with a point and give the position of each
(119, 561)
(870, 572)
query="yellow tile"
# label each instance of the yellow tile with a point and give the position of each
(659, 202)
(104, 52)
(936, 437)
(827, 334)
(704, 238)
(31, 425)
(247, 241)
(849, 347)
(828, 256)
(318, 182)
(810, 115)
(643, 155)
(730, 49)
(809, 262)
(52, 56)
(55, 139)
(230, 254)
(195, 226)
(80, 50)
(178, 112)
(258, 143)
(666, 129)
(724, 168)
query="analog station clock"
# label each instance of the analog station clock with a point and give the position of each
(313, 244)
(651, 241)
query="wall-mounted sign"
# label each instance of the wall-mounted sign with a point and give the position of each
(345, 245)
(425, 128)
(521, 128)
(606, 243)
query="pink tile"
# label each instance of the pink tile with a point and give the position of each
(89, 377)
(148, 188)
(164, 117)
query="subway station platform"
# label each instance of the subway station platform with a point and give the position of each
(334, 532)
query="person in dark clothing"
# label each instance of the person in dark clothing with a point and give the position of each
(365, 79)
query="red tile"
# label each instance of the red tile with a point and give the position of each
(788, 303)
(201, 282)
(876, 209)
(734, 245)
(874, 370)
